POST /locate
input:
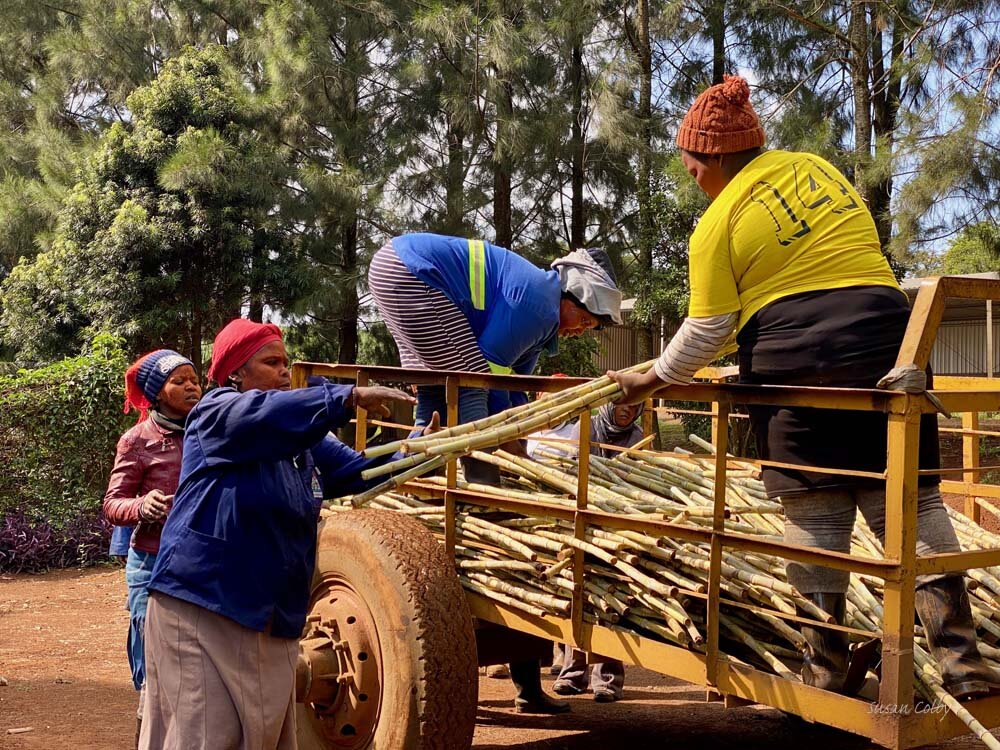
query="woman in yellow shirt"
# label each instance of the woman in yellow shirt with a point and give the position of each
(787, 258)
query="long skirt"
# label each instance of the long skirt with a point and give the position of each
(212, 684)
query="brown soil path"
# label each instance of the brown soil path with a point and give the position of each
(62, 639)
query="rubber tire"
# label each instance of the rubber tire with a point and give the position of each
(430, 675)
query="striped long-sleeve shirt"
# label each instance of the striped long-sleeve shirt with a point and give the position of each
(697, 342)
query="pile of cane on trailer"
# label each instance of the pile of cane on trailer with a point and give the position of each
(652, 586)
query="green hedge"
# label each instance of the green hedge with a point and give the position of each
(58, 428)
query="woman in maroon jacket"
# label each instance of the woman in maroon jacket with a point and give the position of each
(164, 387)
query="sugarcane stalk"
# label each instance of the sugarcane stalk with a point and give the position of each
(750, 642)
(510, 601)
(932, 681)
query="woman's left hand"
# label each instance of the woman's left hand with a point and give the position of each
(636, 387)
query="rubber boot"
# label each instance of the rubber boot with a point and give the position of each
(826, 658)
(480, 472)
(527, 678)
(944, 611)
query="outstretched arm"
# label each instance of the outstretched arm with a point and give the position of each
(697, 342)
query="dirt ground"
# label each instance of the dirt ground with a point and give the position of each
(62, 639)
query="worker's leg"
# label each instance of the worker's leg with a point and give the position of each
(138, 570)
(213, 683)
(572, 678)
(527, 678)
(822, 519)
(941, 600)
(607, 680)
(934, 530)
(558, 658)
(432, 398)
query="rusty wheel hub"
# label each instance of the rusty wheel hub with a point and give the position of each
(339, 676)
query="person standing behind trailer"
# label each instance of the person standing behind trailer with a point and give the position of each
(230, 587)
(787, 257)
(614, 425)
(164, 387)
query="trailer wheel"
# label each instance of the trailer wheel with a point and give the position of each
(388, 656)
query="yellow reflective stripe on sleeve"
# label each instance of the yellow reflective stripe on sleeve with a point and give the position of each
(477, 274)
(499, 369)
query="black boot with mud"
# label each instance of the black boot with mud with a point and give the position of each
(944, 611)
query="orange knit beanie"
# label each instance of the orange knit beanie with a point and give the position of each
(721, 120)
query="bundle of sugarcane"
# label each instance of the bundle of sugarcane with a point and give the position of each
(656, 586)
(427, 453)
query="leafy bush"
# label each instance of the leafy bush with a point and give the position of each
(575, 357)
(33, 546)
(58, 429)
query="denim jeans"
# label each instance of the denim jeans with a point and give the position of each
(472, 404)
(138, 570)
(120, 538)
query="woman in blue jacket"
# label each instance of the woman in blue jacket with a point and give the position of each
(230, 587)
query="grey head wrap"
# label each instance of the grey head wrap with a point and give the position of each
(609, 433)
(585, 275)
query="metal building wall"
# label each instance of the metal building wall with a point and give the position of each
(619, 345)
(961, 348)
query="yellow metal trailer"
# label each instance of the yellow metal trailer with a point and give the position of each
(722, 678)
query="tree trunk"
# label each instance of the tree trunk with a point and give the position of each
(256, 297)
(861, 88)
(645, 176)
(347, 326)
(347, 323)
(716, 17)
(196, 335)
(577, 220)
(455, 185)
(886, 95)
(502, 218)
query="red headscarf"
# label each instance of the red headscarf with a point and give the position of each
(236, 344)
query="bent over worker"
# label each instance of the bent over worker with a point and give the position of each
(787, 257)
(230, 587)
(462, 304)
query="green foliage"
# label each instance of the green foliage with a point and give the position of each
(575, 357)
(676, 205)
(975, 250)
(178, 163)
(58, 429)
(170, 230)
(376, 347)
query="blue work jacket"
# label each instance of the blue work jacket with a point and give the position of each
(240, 539)
(512, 305)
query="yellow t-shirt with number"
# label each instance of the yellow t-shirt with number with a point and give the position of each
(787, 223)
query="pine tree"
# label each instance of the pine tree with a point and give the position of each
(331, 72)
(904, 72)
(170, 228)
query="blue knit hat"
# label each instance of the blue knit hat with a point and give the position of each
(146, 377)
